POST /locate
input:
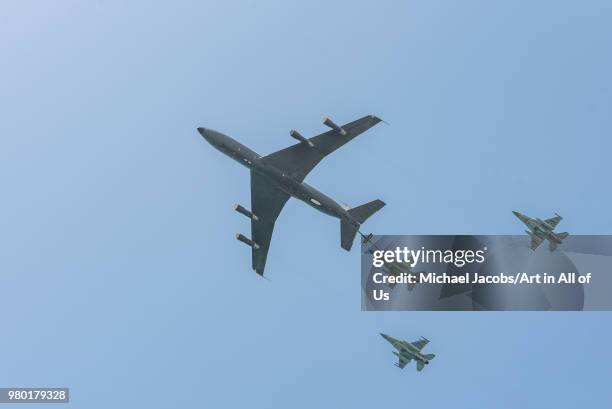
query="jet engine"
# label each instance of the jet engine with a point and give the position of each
(247, 241)
(244, 211)
(295, 134)
(332, 125)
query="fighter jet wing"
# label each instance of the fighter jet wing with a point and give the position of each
(420, 344)
(535, 241)
(554, 221)
(403, 361)
(266, 203)
(299, 159)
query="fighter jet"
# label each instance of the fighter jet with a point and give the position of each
(409, 351)
(278, 176)
(394, 268)
(540, 230)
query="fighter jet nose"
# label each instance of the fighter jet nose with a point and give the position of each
(515, 213)
(202, 131)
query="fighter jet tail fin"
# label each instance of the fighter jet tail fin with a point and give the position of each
(429, 357)
(562, 235)
(359, 214)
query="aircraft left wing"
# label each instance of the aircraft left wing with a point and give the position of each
(299, 159)
(420, 344)
(266, 203)
(554, 221)
(535, 241)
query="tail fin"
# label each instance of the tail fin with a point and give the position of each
(429, 357)
(563, 235)
(359, 214)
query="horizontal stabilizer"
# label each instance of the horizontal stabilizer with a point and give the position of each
(347, 234)
(359, 214)
(563, 235)
(363, 212)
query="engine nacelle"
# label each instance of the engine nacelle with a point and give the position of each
(295, 134)
(245, 212)
(332, 125)
(247, 241)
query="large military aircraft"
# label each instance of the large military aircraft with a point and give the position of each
(278, 176)
(540, 230)
(410, 350)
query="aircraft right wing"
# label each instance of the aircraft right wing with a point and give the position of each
(266, 203)
(535, 241)
(420, 344)
(299, 159)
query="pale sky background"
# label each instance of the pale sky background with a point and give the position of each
(120, 274)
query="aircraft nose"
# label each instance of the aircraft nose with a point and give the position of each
(203, 132)
(517, 214)
(209, 135)
(385, 336)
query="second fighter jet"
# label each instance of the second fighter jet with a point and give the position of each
(540, 230)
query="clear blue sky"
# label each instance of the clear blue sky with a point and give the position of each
(120, 274)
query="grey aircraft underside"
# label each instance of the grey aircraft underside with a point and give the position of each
(407, 351)
(540, 230)
(278, 176)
